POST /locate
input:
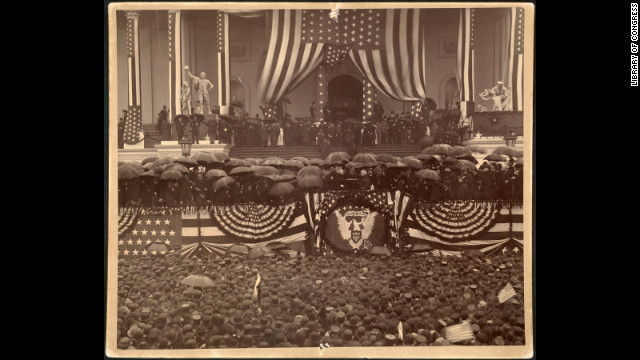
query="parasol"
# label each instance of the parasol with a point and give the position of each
(281, 188)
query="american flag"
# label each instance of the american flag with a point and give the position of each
(290, 58)
(175, 64)
(369, 98)
(459, 332)
(151, 232)
(515, 52)
(132, 125)
(335, 55)
(506, 293)
(389, 49)
(223, 58)
(416, 110)
(400, 331)
(465, 58)
(322, 93)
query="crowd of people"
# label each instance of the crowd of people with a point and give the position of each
(328, 301)
(430, 178)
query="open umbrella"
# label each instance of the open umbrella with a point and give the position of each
(310, 182)
(449, 160)
(412, 162)
(238, 250)
(178, 167)
(148, 166)
(304, 160)
(337, 157)
(128, 172)
(495, 157)
(355, 165)
(316, 162)
(198, 281)
(294, 163)
(281, 188)
(149, 160)
(310, 171)
(120, 163)
(258, 251)
(506, 150)
(253, 161)
(279, 178)
(273, 162)
(240, 170)
(163, 161)
(263, 170)
(460, 150)
(236, 162)
(439, 149)
(220, 156)
(171, 175)
(420, 247)
(379, 250)
(465, 164)
(203, 157)
(385, 158)
(467, 157)
(159, 248)
(428, 174)
(520, 153)
(215, 173)
(426, 157)
(149, 173)
(222, 182)
(520, 161)
(187, 161)
(365, 159)
(286, 172)
(476, 149)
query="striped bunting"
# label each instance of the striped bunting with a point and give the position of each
(455, 220)
(515, 58)
(465, 64)
(289, 61)
(396, 64)
(127, 221)
(506, 293)
(460, 332)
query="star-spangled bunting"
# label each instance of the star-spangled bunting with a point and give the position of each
(416, 110)
(132, 125)
(322, 93)
(359, 27)
(369, 98)
(152, 235)
(335, 55)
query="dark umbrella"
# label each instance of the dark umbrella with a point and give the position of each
(460, 150)
(425, 141)
(148, 173)
(382, 158)
(439, 149)
(337, 157)
(263, 170)
(365, 159)
(279, 178)
(149, 160)
(520, 161)
(222, 182)
(506, 150)
(304, 160)
(171, 175)
(412, 162)
(310, 171)
(178, 167)
(476, 149)
(240, 170)
(465, 164)
(355, 165)
(236, 162)
(163, 161)
(317, 162)
(215, 173)
(238, 250)
(128, 172)
(294, 163)
(310, 182)
(450, 160)
(187, 161)
(273, 162)
(473, 253)
(495, 157)
(253, 161)
(220, 156)
(520, 153)
(468, 158)
(428, 174)
(281, 188)
(426, 157)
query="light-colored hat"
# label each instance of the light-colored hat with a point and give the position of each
(499, 82)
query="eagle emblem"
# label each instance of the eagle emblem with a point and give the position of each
(354, 231)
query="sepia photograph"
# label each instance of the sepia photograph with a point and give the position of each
(320, 180)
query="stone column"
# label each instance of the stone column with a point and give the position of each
(175, 63)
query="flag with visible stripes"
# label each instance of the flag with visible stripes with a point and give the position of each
(126, 221)
(290, 59)
(175, 63)
(465, 58)
(459, 332)
(506, 293)
(223, 59)
(257, 290)
(132, 125)
(389, 49)
(369, 98)
(515, 58)
(149, 234)
(133, 57)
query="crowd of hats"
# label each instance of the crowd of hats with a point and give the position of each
(308, 301)
(206, 178)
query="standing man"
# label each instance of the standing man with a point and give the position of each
(264, 134)
(275, 134)
(213, 128)
(195, 127)
(204, 86)
(163, 119)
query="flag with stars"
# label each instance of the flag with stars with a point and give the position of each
(223, 58)
(465, 55)
(416, 110)
(335, 55)
(388, 49)
(369, 98)
(132, 125)
(515, 58)
(322, 93)
(155, 234)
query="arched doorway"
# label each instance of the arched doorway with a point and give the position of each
(345, 97)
